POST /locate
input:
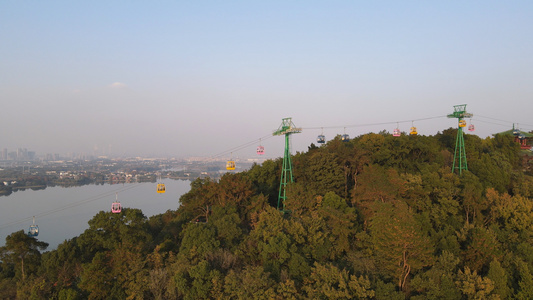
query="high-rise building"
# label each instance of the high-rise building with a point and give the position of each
(22, 154)
(31, 155)
(12, 155)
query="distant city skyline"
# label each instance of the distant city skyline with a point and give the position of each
(181, 79)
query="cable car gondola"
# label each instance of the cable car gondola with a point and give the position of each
(260, 149)
(34, 229)
(396, 131)
(230, 165)
(116, 207)
(462, 123)
(413, 131)
(321, 139)
(345, 137)
(471, 127)
(161, 188)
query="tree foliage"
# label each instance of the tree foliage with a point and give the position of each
(378, 217)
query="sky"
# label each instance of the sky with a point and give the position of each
(200, 78)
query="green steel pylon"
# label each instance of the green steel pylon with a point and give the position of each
(287, 128)
(460, 113)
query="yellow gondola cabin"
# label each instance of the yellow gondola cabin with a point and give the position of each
(161, 188)
(230, 165)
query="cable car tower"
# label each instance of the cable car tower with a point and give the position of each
(287, 128)
(460, 113)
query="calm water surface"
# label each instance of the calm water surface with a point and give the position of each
(63, 213)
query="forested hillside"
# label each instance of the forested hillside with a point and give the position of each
(378, 217)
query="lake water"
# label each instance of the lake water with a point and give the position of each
(63, 213)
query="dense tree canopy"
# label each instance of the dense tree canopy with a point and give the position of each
(378, 217)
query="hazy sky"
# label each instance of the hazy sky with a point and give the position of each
(200, 77)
